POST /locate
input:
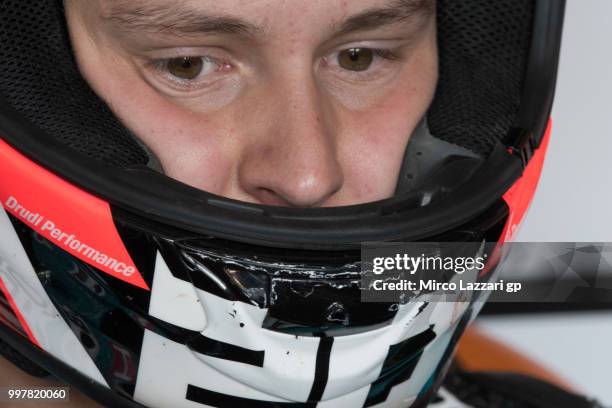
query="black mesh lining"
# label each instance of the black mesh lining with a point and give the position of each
(39, 78)
(483, 50)
(483, 47)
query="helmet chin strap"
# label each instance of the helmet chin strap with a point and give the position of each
(424, 155)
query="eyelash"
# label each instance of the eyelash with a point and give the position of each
(160, 67)
(381, 56)
(386, 53)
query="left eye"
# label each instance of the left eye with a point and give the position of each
(356, 59)
(188, 68)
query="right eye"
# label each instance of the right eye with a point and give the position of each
(185, 67)
(356, 59)
(188, 68)
(186, 74)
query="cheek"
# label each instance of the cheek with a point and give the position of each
(191, 147)
(372, 159)
(374, 141)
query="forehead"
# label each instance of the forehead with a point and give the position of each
(247, 7)
(265, 15)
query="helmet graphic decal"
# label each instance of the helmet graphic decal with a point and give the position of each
(81, 224)
(23, 325)
(520, 194)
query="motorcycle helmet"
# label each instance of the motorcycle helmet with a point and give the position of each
(143, 291)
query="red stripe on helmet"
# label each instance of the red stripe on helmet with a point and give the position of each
(519, 196)
(23, 322)
(8, 316)
(69, 217)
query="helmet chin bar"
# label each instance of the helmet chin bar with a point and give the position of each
(314, 293)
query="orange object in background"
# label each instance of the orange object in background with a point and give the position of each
(479, 352)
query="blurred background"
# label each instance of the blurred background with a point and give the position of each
(573, 204)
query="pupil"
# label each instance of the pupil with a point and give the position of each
(356, 59)
(185, 67)
(186, 63)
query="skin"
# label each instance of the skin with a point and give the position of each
(273, 118)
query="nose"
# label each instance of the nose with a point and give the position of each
(292, 159)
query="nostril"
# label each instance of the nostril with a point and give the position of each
(281, 184)
(269, 197)
(295, 194)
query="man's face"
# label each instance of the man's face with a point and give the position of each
(280, 102)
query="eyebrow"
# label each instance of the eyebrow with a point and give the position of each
(145, 17)
(136, 16)
(398, 11)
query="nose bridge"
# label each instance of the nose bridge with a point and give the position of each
(307, 117)
(297, 155)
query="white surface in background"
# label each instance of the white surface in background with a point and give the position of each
(576, 346)
(574, 199)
